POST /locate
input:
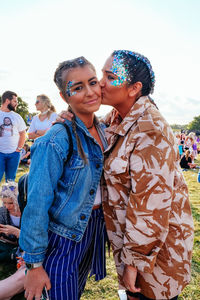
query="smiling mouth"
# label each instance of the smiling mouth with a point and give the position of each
(92, 101)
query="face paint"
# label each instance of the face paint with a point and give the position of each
(68, 89)
(118, 68)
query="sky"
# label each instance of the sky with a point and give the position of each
(36, 35)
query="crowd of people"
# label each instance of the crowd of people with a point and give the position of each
(91, 180)
(189, 148)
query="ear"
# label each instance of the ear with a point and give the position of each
(7, 101)
(135, 89)
(63, 97)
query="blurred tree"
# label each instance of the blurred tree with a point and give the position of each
(195, 124)
(178, 127)
(22, 109)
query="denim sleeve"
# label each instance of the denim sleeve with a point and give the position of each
(198, 177)
(47, 160)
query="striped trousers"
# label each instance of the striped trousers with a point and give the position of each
(68, 263)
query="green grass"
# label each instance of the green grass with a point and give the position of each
(107, 288)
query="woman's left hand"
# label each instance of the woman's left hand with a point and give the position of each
(129, 279)
(65, 114)
(9, 229)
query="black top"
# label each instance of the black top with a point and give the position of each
(184, 162)
(6, 220)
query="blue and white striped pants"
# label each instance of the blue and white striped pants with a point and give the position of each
(68, 263)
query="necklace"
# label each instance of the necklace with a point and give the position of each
(90, 126)
(44, 112)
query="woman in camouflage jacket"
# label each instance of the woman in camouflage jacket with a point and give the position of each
(147, 210)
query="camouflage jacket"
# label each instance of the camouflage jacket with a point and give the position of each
(147, 210)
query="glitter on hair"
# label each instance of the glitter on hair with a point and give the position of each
(145, 60)
(68, 89)
(123, 55)
(119, 69)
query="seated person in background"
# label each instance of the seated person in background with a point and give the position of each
(43, 121)
(187, 161)
(25, 155)
(9, 221)
(14, 284)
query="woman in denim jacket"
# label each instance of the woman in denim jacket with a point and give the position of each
(63, 230)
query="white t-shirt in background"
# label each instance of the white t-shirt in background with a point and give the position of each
(36, 124)
(15, 220)
(11, 124)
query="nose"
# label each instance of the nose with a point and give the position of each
(89, 91)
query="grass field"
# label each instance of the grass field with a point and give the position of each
(107, 288)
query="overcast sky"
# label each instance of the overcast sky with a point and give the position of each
(36, 35)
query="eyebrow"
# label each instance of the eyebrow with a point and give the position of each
(108, 72)
(80, 82)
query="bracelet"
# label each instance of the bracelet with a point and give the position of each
(30, 266)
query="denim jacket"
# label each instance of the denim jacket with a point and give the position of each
(60, 196)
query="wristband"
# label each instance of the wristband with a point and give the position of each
(31, 266)
(35, 131)
(19, 148)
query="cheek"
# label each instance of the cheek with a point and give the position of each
(75, 101)
(111, 89)
(98, 90)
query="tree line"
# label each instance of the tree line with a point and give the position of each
(194, 125)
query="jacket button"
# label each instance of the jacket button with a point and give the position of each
(73, 236)
(97, 166)
(83, 217)
(91, 192)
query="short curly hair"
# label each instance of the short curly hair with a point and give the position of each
(10, 190)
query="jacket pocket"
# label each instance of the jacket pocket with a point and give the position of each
(71, 171)
(116, 166)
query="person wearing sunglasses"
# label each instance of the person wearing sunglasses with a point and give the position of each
(42, 121)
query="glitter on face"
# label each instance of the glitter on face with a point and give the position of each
(68, 90)
(118, 68)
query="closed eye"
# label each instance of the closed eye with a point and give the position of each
(111, 77)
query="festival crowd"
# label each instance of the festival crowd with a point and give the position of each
(115, 180)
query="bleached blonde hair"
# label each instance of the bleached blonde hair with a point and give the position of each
(10, 190)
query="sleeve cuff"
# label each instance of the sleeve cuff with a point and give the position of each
(33, 258)
(141, 262)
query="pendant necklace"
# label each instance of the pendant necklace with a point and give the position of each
(90, 126)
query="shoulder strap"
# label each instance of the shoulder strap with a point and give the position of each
(70, 141)
(25, 187)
